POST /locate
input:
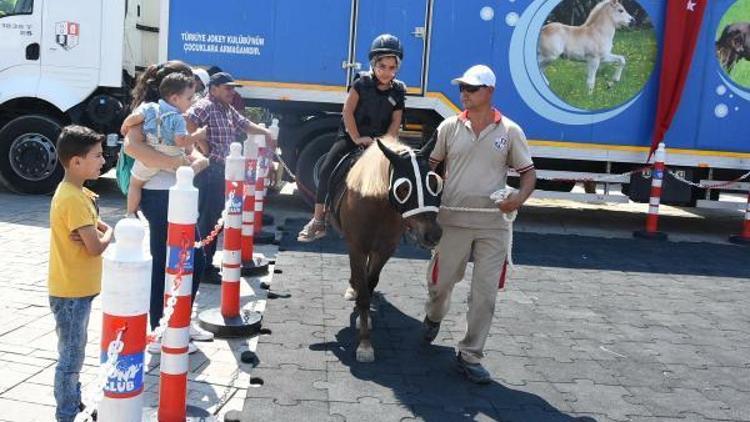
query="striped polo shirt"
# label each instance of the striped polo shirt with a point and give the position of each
(477, 166)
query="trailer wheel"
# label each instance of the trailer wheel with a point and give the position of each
(309, 162)
(28, 156)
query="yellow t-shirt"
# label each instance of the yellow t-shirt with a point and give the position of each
(72, 271)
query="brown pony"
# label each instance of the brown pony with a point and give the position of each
(389, 190)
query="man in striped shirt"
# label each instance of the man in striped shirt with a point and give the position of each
(225, 125)
(477, 148)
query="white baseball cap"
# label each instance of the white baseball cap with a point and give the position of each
(202, 75)
(477, 75)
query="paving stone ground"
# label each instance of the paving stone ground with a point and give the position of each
(217, 379)
(596, 327)
(587, 329)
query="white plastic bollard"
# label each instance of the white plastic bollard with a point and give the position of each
(182, 216)
(227, 320)
(248, 203)
(126, 292)
(260, 182)
(231, 265)
(274, 128)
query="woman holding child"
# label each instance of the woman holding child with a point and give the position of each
(155, 188)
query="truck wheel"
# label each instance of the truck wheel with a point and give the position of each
(28, 157)
(309, 162)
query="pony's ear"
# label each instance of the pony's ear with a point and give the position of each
(390, 155)
(429, 146)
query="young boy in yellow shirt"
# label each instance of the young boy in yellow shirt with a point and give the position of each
(77, 239)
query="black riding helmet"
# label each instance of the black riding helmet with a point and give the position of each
(386, 45)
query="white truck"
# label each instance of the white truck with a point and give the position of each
(65, 62)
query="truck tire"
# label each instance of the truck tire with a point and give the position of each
(28, 157)
(309, 162)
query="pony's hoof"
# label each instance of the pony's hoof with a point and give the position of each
(350, 294)
(365, 354)
(369, 323)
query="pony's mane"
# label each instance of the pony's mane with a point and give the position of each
(370, 174)
(595, 12)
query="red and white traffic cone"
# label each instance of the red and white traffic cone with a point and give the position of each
(252, 263)
(227, 321)
(234, 175)
(182, 216)
(744, 237)
(657, 178)
(261, 237)
(126, 288)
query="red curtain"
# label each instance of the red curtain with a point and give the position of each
(683, 23)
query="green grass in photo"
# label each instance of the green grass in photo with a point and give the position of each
(738, 12)
(567, 78)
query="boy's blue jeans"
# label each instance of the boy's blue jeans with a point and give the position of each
(71, 324)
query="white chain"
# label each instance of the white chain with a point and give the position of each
(701, 186)
(171, 302)
(602, 179)
(106, 371)
(219, 223)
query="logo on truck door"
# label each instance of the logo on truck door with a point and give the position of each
(66, 34)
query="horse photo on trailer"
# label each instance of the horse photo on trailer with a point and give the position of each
(596, 54)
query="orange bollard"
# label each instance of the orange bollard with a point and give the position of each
(182, 216)
(252, 263)
(657, 178)
(228, 321)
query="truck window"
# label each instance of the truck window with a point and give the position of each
(16, 7)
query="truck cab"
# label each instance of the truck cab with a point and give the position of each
(60, 63)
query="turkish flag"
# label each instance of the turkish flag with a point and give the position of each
(683, 23)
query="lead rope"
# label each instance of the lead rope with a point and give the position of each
(498, 196)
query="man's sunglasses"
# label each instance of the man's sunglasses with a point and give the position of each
(469, 88)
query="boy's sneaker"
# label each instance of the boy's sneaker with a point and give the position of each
(82, 407)
(155, 348)
(474, 372)
(431, 330)
(313, 230)
(199, 334)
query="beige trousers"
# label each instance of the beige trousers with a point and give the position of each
(447, 267)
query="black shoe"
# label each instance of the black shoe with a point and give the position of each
(431, 330)
(211, 276)
(474, 372)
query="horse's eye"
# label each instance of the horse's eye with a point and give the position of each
(434, 183)
(402, 190)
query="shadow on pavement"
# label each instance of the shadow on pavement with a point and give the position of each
(582, 252)
(424, 378)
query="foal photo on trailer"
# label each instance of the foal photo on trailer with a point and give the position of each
(388, 191)
(597, 54)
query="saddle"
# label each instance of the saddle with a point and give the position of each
(337, 182)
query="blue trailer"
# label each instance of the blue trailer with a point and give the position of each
(298, 57)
